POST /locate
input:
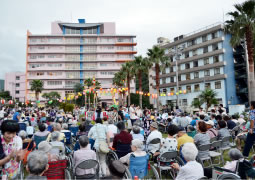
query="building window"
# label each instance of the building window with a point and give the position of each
(205, 49)
(186, 54)
(179, 78)
(163, 80)
(215, 47)
(216, 59)
(184, 102)
(207, 72)
(207, 85)
(17, 84)
(171, 69)
(216, 71)
(218, 85)
(197, 88)
(187, 66)
(172, 79)
(188, 89)
(214, 35)
(17, 78)
(195, 64)
(206, 61)
(219, 101)
(188, 76)
(54, 83)
(164, 71)
(171, 59)
(196, 75)
(204, 38)
(16, 92)
(194, 52)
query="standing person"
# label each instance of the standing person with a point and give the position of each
(99, 133)
(146, 122)
(17, 115)
(251, 135)
(139, 112)
(132, 114)
(120, 114)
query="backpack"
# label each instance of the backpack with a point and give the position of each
(27, 151)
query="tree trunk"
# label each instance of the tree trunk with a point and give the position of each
(157, 83)
(37, 96)
(140, 89)
(128, 82)
(89, 102)
(251, 80)
(120, 99)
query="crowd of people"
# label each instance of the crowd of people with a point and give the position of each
(128, 132)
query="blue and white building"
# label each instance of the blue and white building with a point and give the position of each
(206, 61)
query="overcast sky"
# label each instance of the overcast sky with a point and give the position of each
(148, 19)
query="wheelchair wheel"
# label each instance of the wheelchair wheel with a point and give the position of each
(111, 156)
(127, 174)
(173, 172)
(21, 171)
(155, 173)
(67, 175)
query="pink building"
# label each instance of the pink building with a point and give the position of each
(74, 52)
(15, 84)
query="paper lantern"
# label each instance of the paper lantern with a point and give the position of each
(60, 100)
(2, 101)
(177, 93)
(50, 102)
(184, 91)
(11, 102)
(148, 94)
(180, 91)
(169, 94)
(38, 101)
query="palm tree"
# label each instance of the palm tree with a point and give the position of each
(127, 69)
(141, 65)
(37, 86)
(118, 80)
(208, 96)
(157, 56)
(241, 26)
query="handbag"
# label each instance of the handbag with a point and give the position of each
(103, 146)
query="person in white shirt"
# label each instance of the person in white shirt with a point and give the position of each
(153, 135)
(132, 114)
(241, 119)
(139, 112)
(192, 170)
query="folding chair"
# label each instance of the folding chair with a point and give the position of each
(155, 141)
(225, 143)
(39, 139)
(217, 152)
(233, 134)
(204, 149)
(68, 136)
(86, 165)
(213, 139)
(74, 129)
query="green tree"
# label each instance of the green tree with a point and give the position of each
(127, 70)
(197, 103)
(241, 26)
(118, 81)
(37, 86)
(157, 56)
(208, 96)
(140, 65)
(52, 98)
(5, 95)
(89, 84)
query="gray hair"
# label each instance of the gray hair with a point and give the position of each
(235, 154)
(110, 121)
(23, 134)
(44, 146)
(57, 127)
(65, 126)
(136, 129)
(137, 123)
(189, 151)
(83, 141)
(37, 162)
(54, 136)
(137, 143)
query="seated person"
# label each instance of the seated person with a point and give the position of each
(234, 155)
(65, 128)
(202, 138)
(111, 127)
(57, 128)
(45, 147)
(83, 154)
(37, 164)
(137, 150)
(191, 131)
(28, 144)
(211, 131)
(182, 138)
(153, 135)
(117, 170)
(136, 133)
(192, 170)
(42, 130)
(58, 148)
(123, 137)
(223, 132)
(82, 130)
(230, 124)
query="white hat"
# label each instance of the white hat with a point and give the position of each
(210, 122)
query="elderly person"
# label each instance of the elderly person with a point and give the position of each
(28, 144)
(83, 154)
(153, 135)
(57, 128)
(37, 165)
(45, 147)
(182, 138)
(223, 132)
(65, 128)
(42, 130)
(123, 137)
(137, 150)
(58, 147)
(82, 130)
(99, 133)
(10, 148)
(211, 131)
(192, 170)
(202, 138)
(136, 133)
